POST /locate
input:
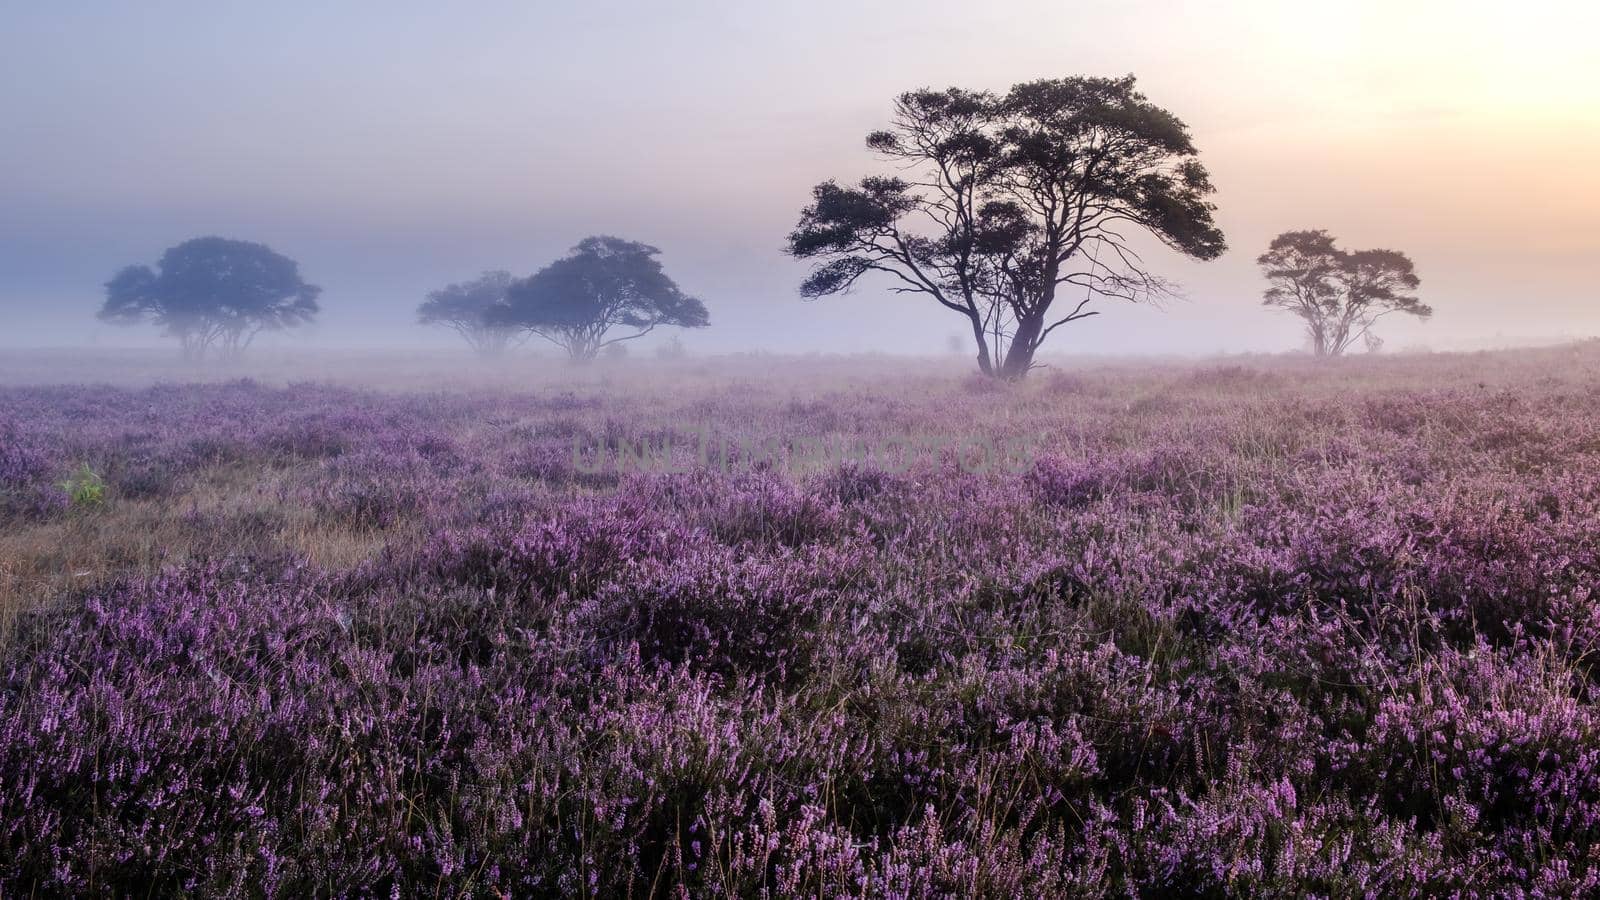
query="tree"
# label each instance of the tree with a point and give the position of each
(465, 308)
(1013, 201)
(213, 292)
(673, 349)
(604, 284)
(1339, 294)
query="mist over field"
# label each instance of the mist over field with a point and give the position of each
(831, 450)
(393, 149)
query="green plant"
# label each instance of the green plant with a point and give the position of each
(84, 488)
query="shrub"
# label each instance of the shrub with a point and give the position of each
(84, 488)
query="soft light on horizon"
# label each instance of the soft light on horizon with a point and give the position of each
(393, 148)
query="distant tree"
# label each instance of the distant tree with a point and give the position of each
(672, 349)
(603, 285)
(1339, 294)
(213, 292)
(1012, 202)
(465, 309)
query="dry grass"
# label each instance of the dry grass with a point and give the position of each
(228, 511)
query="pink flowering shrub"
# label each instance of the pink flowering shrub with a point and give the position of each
(1229, 632)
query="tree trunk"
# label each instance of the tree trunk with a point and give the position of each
(1019, 356)
(581, 351)
(985, 364)
(1319, 339)
(194, 348)
(487, 344)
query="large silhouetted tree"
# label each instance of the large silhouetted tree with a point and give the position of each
(1339, 294)
(465, 308)
(605, 285)
(1012, 203)
(213, 292)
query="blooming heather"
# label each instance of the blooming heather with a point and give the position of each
(1264, 630)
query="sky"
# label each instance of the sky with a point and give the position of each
(394, 147)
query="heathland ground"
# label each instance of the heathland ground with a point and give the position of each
(773, 626)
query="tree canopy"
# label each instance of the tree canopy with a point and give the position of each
(605, 285)
(465, 308)
(213, 292)
(1010, 200)
(1339, 294)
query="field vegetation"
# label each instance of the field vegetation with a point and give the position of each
(1251, 626)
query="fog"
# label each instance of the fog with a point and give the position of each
(392, 148)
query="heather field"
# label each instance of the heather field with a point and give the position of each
(786, 627)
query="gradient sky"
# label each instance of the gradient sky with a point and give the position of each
(392, 147)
